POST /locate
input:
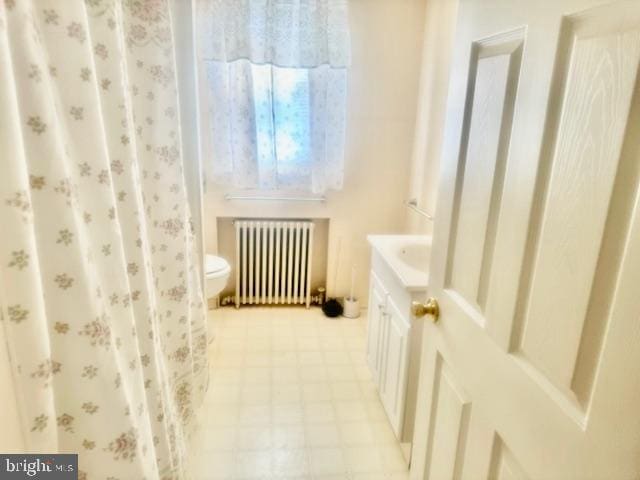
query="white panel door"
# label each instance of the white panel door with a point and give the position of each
(375, 324)
(533, 370)
(393, 385)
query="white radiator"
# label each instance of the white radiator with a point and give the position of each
(273, 262)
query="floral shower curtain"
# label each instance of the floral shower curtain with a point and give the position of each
(99, 285)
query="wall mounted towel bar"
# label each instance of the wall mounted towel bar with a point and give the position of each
(413, 205)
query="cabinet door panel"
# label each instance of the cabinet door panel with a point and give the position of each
(395, 364)
(377, 305)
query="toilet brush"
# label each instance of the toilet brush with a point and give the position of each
(331, 307)
(351, 304)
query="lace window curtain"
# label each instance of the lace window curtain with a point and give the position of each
(276, 74)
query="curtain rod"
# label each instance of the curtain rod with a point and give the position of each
(277, 199)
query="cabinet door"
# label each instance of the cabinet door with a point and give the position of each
(375, 312)
(393, 385)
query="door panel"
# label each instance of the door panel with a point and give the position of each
(394, 372)
(449, 420)
(598, 80)
(503, 465)
(531, 371)
(493, 82)
(375, 318)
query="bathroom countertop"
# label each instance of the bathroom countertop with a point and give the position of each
(407, 256)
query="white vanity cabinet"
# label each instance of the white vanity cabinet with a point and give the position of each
(393, 337)
(388, 332)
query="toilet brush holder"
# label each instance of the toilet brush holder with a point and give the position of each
(351, 307)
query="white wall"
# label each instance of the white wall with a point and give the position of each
(386, 37)
(184, 42)
(439, 31)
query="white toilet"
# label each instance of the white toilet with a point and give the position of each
(216, 270)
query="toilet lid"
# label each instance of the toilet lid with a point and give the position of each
(215, 264)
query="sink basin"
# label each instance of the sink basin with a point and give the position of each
(407, 256)
(415, 256)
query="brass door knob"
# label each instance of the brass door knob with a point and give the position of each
(432, 308)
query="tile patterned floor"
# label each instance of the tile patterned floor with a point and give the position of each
(291, 397)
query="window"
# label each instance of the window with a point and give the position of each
(282, 112)
(275, 128)
(275, 92)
